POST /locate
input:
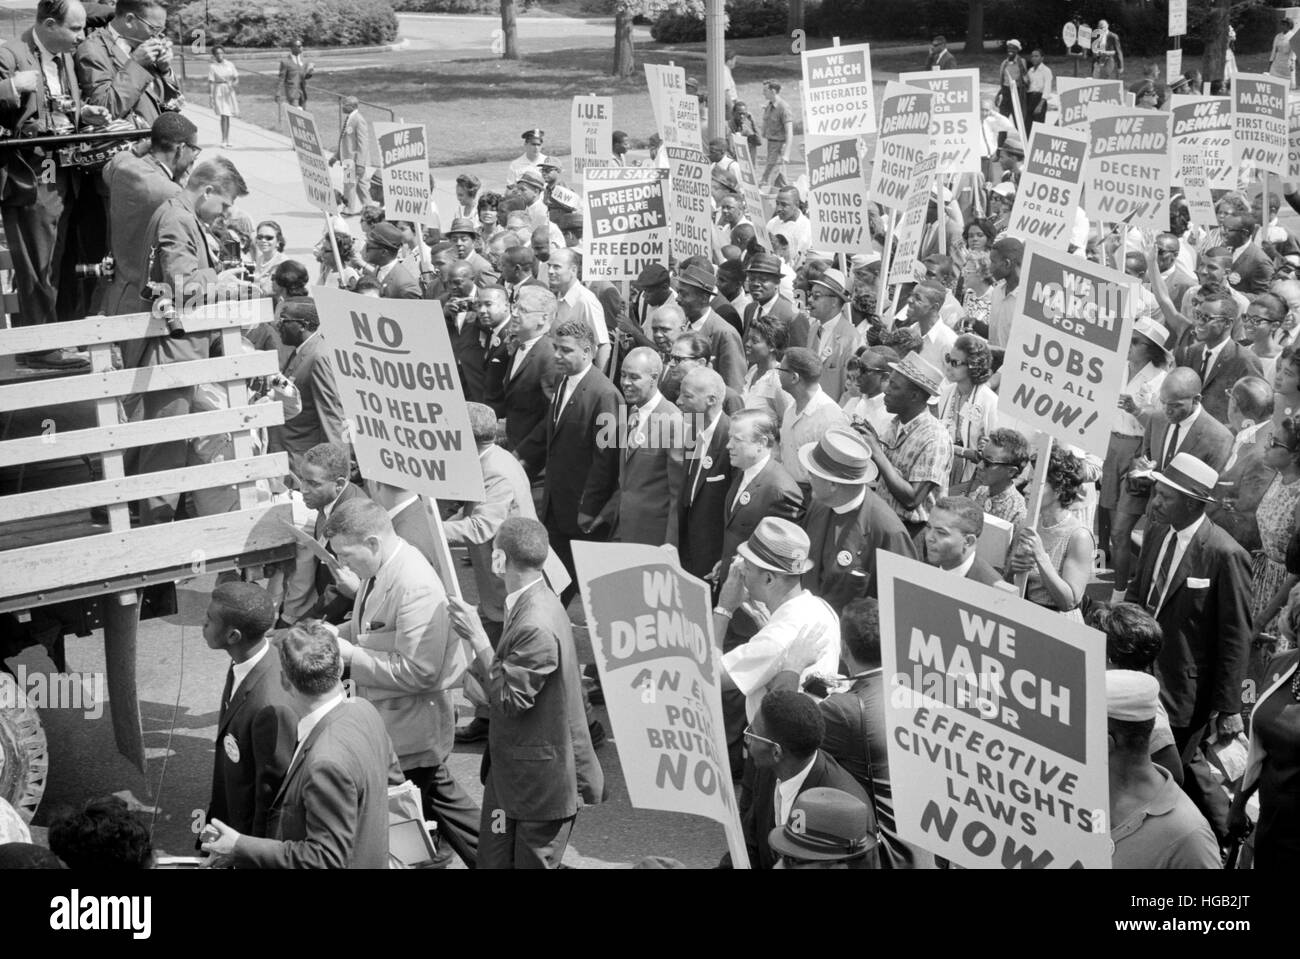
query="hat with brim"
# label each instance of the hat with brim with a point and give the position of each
(532, 178)
(1153, 332)
(386, 236)
(463, 225)
(699, 277)
(1014, 43)
(834, 281)
(1189, 476)
(764, 263)
(546, 163)
(825, 825)
(533, 134)
(840, 455)
(778, 546)
(921, 372)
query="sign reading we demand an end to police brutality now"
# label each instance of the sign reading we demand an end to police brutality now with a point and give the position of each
(625, 221)
(1126, 174)
(1203, 129)
(995, 716)
(837, 97)
(1066, 359)
(651, 628)
(904, 138)
(401, 393)
(404, 160)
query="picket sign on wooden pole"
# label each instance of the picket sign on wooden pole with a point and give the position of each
(334, 245)
(885, 258)
(939, 204)
(1034, 501)
(444, 566)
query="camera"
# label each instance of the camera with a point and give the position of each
(104, 268)
(165, 307)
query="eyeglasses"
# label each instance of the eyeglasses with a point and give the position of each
(1250, 322)
(195, 147)
(1200, 316)
(988, 462)
(750, 734)
(270, 237)
(673, 360)
(955, 364)
(1274, 444)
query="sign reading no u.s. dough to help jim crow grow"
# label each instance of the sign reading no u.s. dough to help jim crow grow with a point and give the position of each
(1066, 358)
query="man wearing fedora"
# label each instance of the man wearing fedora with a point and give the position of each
(694, 296)
(462, 235)
(914, 457)
(1195, 579)
(763, 283)
(651, 291)
(381, 249)
(836, 339)
(531, 186)
(531, 157)
(837, 831)
(847, 523)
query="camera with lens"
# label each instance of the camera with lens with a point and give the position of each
(104, 268)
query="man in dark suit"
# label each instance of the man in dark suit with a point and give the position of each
(127, 65)
(1218, 359)
(530, 378)
(332, 809)
(846, 522)
(295, 71)
(256, 727)
(539, 768)
(311, 369)
(519, 270)
(694, 293)
(785, 743)
(323, 473)
(1246, 477)
(951, 538)
(1177, 279)
(395, 281)
(581, 448)
(1252, 270)
(484, 353)
(763, 282)
(1195, 580)
(700, 515)
(651, 458)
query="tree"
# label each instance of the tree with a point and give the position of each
(625, 11)
(1215, 33)
(509, 30)
(975, 27)
(794, 20)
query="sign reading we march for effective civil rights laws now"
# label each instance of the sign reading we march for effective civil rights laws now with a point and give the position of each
(651, 629)
(312, 160)
(1066, 359)
(625, 221)
(1126, 174)
(401, 393)
(995, 717)
(955, 130)
(904, 138)
(404, 160)
(837, 100)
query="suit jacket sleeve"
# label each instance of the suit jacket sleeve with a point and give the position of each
(179, 256)
(516, 679)
(106, 85)
(602, 476)
(275, 731)
(730, 359)
(483, 520)
(531, 450)
(330, 804)
(676, 477)
(329, 408)
(1233, 584)
(420, 649)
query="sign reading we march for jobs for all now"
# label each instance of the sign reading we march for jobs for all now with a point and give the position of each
(956, 134)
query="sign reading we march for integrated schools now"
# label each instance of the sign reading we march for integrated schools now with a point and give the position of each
(1259, 124)
(1202, 127)
(401, 393)
(404, 160)
(837, 198)
(1126, 174)
(1065, 362)
(1048, 197)
(651, 628)
(625, 221)
(312, 160)
(904, 138)
(955, 131)
(995, 716)
(837, 98)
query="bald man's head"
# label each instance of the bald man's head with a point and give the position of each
(460, 278)
(640, 376)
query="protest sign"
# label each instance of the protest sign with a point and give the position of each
(1126, 172)
(682, 125)
(401, 392)
(1293, 139)
(1066, 358)
(837, 99)
(954, 118)
(1069, 34)
(404, 162)
(837, 198)
(566, 197)
(1259, 124)
(1196, 190)
(1076, 94)
(1048, 199)
(312, 160)
(661, 81)
(625, 221)
(1202, 127)
(904, 137)
(690, 203)
(749, 188)
(1174, 62)
(651, 630)
(995, 716)
(591, 132)
(911, 228)
(1085, 38)
(1177, 19)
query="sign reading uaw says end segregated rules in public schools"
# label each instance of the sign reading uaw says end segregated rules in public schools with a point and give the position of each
(651, 628)
(401, 393)
(995, 716)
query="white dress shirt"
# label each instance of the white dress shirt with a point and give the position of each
(788, 790)
(748, 474)
(240, 670)
(512, 598)
(522, 352)
(1180, 540)
(312, 720)
(1184, 427)
(570, 386)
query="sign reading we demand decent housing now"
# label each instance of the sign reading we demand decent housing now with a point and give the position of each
(404, 160)
(651, 627)
(995, 717)
(406, 413)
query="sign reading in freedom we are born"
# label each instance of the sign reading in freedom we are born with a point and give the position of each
(401, 393)
(837, 99)
(311, 160)
(1046, 204)
(625, 221)
(995, 717)
(837, 198)
(1259, 125)
(651, 628)
(955, 131)
(404, 160)
(1126, 173)
(904, 138)
(1065, 362)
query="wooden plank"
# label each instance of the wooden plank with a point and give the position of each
(107, 412)
(73, 443)
(241, 441)
(130, 326)
(145, 379)
(128, 489)
(91, 559)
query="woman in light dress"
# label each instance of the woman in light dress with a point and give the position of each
(1058, 553)
(968, 407)
(222, 80)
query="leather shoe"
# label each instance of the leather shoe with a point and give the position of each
(56, 360)
(475, 731)
(597, 732)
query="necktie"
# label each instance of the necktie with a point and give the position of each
(633, 421)
(226, 692)
(365, 597)
(1205, 365)
(698, 453)
(560, 397)
(1171, 446)
(1161, 580)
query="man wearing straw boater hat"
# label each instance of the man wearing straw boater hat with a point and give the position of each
(846, 521)
(1195, 579)
(915, 455)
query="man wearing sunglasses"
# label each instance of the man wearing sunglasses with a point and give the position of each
(1216, 357)
(127, 65)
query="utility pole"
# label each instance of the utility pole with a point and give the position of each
(713, 31)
